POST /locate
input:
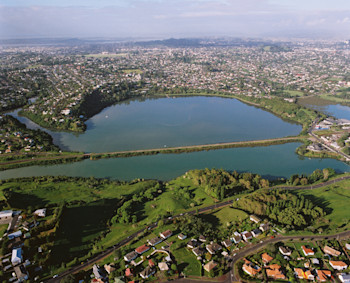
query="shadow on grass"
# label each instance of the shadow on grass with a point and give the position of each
(79, 227)
(181, 267)
(211, 219)
(321, 202)
(23, 201)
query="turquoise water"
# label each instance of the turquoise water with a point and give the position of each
(155, 123)
(271, 161)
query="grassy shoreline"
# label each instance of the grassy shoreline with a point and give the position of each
(66, 157)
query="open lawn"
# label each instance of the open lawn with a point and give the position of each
(52, 191)
(334, 200)
(186, 260)
(225, 216)
(335, 98)
(3, 228)
(294, 92)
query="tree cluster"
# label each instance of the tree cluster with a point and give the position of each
(220, 184)
(282, 207)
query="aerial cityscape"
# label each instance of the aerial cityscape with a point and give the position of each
(186, 141)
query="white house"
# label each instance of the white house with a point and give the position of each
(6, 214)
(343, 277)
(16, 256)
(338, 265)
(40, 212)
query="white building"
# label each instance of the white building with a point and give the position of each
(40, 212)
(345, 278)
(6, 214)
(16, 256)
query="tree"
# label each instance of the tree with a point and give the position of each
(173, 267)
(68, 279)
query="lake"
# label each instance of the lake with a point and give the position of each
(171, 122)
(326, 106)
(271, 161)
(152, 123)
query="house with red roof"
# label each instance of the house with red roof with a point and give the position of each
(166, 234)
(266, 258)
(140, 250)
(323, 275)
(274, 271)
(307, 251)
(338, 265)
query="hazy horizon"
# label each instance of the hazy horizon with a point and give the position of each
(159, 19)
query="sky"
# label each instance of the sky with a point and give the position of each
(323, 19)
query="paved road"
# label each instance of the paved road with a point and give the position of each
(253, 248)
(108, 251)
(311, 187)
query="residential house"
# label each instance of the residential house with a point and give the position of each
(264, 227)
(210, 266)
(307, 251)
(16, 257)
(6, 215)
(247, 236)
(331, 251)
(301, 274)
(236, 239)
(285, 250)
(140, 250)
(202, 239)
(323, 275)
(266, 258)
(182, 236)
(213, 248)
(192, 244)
(98, 272)
(199, 251)
(256, 232)
(128, 272)
(154, 241)
(130, 256)
(227, 243)
(344, 278)
(166, 234)
(40, 212)
(338, 265)
(163, 266)
(254, 218)
(147, 272)
(109, 268)
(250, 268)
(274, 271)
(14, 235)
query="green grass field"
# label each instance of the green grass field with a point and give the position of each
(334, 98)
(225, 216)
(294, 92)
(3, 228)
(186, 260)
(334, 200)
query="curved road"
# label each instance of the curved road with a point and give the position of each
(239, 255)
